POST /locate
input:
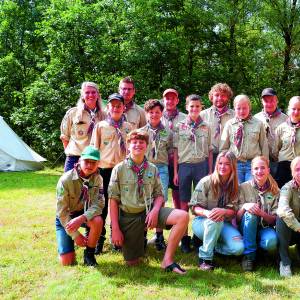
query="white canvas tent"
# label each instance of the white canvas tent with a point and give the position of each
(15, 155)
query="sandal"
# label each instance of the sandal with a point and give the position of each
(171, 267)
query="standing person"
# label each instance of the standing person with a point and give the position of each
(136, 200)
(160, 142)
(245, 136)
(134, 113)
(218, 114)
(171, 117)
(287, 145)
(258, 202)
(78, 123)
(109, 137)
(214, 203)
(80, 202)
(288, 221)
(272, 117)
(192, 155)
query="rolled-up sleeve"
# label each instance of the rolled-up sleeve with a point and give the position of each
(114, 185)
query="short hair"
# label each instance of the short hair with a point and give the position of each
(127, 79)
(192, 97)
(294, 163)
(137, 135)
(297, 98)
(241, 97)
(152, 103)
(223, 88)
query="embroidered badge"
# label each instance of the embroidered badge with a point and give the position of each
(149, 174)
(80, 132)
(60, 191)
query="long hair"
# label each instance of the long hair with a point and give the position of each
(80, 102)
(232, 183)
(274, 189)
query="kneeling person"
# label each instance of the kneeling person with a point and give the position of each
(80, 202)
(136, 201)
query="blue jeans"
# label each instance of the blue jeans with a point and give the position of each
(253, 233)
(219, 236)
(164, 178)
(244, 171)
(71, 161)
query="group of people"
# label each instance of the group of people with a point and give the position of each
(224, 165)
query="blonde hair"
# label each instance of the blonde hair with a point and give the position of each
(80, 102)
(294, 163)
(241, 97)
(232, 187)
(297, 98)
(223, 88)
(274, 189)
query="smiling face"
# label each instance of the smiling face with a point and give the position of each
(154, 115)
(219, 99)
(170, 101)
(224, 168)
(260, 171)
(88, 166)
(115, 109)
(242, 109)
(269, 103)
(90, 96)
(194, 108)
(294, 109)
(137, 148)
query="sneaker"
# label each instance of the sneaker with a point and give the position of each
(206, 265)
(186, 244)
(285, 271)
(247, 264)
(89, 258)
(160, 243)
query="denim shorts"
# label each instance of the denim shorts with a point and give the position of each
(189, 174)
(164, 178)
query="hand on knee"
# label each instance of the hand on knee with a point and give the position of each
(67, 259)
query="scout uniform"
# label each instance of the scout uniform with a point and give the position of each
(221, 236)
(135, 115)
(160, 142)
(254, 141)
(135, 201)
(271, 123)
(287, 147)
(216, 124)
(193, 150)
(251, 225)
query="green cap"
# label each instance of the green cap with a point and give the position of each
(90, 152)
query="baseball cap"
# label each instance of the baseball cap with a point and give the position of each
(170, 91)
(90, 152)
(268, 92)
(115, 96)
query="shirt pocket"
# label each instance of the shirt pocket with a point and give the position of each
(286, 137)
(253, 136)
(80, 130)
(107, 138)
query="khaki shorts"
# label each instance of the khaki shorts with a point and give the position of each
(133, 229)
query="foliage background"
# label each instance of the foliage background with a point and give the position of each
(48, 47)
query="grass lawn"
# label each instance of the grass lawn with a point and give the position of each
(29, 267)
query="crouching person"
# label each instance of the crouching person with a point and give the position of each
(214, 202)
(288, 221)
(80, 202)
(136, 200)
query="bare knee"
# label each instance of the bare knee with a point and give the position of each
(96, 222)
(178, 216)
(67, 259)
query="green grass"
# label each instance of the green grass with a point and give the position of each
(29, 267)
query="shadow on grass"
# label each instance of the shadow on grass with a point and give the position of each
(228, 276)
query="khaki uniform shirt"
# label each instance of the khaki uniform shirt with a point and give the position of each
(272, 125)
(163, 144)
(106, 140)
(136, 116)
(249, 194)
(181, 116)
(254, 139)
(203, 196)
(289, 206)
(68, 192)
(209, 116)
(284, 148)
(189, 151)
(75, 130)
(123, 187)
